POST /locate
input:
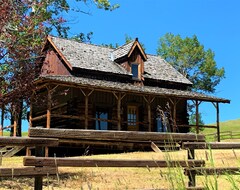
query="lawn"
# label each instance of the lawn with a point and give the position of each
(225, 127)
(131, 178)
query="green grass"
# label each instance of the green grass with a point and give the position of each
(231, 125)
(7, 133)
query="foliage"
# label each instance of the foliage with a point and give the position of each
(24, 25)
(190, 58)
(192, 121)
(129, 39)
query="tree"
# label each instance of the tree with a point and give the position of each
(190, 58)
(192, 121)
(24, 25)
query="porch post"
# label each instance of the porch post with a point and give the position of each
(86, 111)
(197, 103)
(217, 120)
(31, 111)
(86, 95)
(218, 126)
(15, 124)
(174, 103)
(197, 119)
(2, 119)
(49, 105)
(119, 98)
(149, 100)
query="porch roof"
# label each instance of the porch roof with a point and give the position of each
(127, 87)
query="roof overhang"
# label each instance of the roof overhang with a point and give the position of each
(128, 88)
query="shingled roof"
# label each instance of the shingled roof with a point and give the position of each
(99, 58)
(122, 50)
(127, 87)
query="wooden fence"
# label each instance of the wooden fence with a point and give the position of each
(224, 135)
(40, 166)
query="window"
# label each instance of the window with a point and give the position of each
(101, 119)
(132, 116)
(135, 70)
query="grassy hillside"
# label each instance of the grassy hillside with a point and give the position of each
(231, 125)
(226, 126)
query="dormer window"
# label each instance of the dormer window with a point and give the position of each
(135, 70)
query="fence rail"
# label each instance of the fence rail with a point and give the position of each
(224, 135)
(42, 165)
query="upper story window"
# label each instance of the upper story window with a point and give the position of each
(135, 70)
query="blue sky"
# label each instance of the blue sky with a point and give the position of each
(215, 22)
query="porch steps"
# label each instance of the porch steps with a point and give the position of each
(9, 151)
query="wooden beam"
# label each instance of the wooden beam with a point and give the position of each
(27, 172)
(217, 120)
(211, 145)
(39, 117)
(213, 171)
(174, 103)
(66, 116)
(49, 105)
(15, 124)
(197, 103)
(119, 97)
(30, 113)
(28, 141)
(112, 135)
(149, 99)
(218, 124)
(86, 94)
(85, 162)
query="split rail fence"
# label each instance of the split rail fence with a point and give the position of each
(40, 166)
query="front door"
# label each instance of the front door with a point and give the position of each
(132, 118)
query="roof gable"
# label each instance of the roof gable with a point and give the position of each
(127, 49)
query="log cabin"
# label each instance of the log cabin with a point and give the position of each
(86, 86)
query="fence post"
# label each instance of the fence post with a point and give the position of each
(38, 181)
(191, 174)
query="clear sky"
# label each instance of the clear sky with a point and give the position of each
(215, 22)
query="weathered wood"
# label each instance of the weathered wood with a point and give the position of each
(15, 125)
(31, 112)
(27, 141)
(113, 135)
(211, 145)
(27, 172)
(203, 126)
(39, 117)
(212, 171)
(119, 111)
(13, 151)
(67, 116)
(49, 105)
(85, 162)
(218, 125)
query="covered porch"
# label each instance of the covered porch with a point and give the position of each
(119, 95)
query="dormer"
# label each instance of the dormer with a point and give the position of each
(131, 56)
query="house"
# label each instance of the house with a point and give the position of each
(85, 86)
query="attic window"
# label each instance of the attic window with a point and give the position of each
(135, 73)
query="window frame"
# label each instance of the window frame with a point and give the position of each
(136, 65)
(132, 117)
